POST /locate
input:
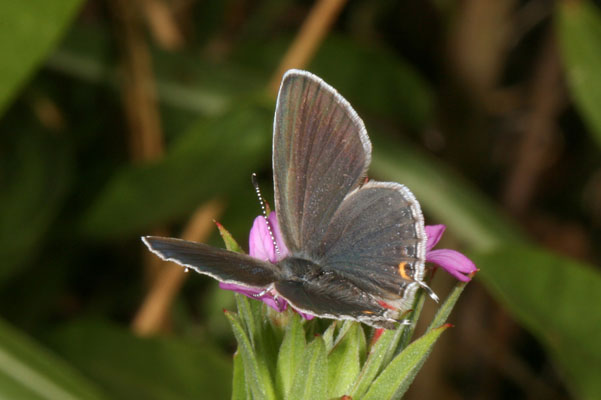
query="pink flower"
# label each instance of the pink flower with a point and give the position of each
(451, 261)
(260, 246)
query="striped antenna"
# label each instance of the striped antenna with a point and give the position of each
(255, 183)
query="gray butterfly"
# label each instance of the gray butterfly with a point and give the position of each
(356, 250)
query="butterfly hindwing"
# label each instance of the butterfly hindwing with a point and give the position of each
(320, 153)
(330, 297)
(377, 241)
(223, 265)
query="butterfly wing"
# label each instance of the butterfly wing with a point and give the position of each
(331, 297)
(320, 153)
(371, 258)
(369, 240)
(377, 241)
(223, 265)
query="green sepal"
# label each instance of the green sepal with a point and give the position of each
(344, 361)
(240, 390)
(311, 378)
(409, 328)
(228, 239)
(290, 355)
(257, 375)
(328, 335)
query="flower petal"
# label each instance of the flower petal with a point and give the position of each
(260, 244)
(238, 289)
(267, 298)
(434, 233)
(279, 305)
(453, 262)
(306, 316)
(277, 233)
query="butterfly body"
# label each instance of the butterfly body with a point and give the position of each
(356, 248)
(295, 268)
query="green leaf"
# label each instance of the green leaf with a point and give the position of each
(257, 375)
(444, 195)
(157, 368)
(249, 315)
(311, 378)
(28, 371)
(35, 174)
(290, 355)
(239, 388)
(555, 298)
(579, 28)
(344, 361)
(29, 29)
(143, 196)
(184, 82)
(395, 379)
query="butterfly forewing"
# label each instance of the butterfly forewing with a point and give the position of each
(320, 153)
(223, 265)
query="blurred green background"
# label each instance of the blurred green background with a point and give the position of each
(122, 118)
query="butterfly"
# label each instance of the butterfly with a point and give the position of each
(357, 248)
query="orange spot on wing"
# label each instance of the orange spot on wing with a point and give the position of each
(402, 271)
(368, 312)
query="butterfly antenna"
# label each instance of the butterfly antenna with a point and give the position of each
(430, 292)
(255, 183)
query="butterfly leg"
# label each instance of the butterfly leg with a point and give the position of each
(263, 292)
(269, 290)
